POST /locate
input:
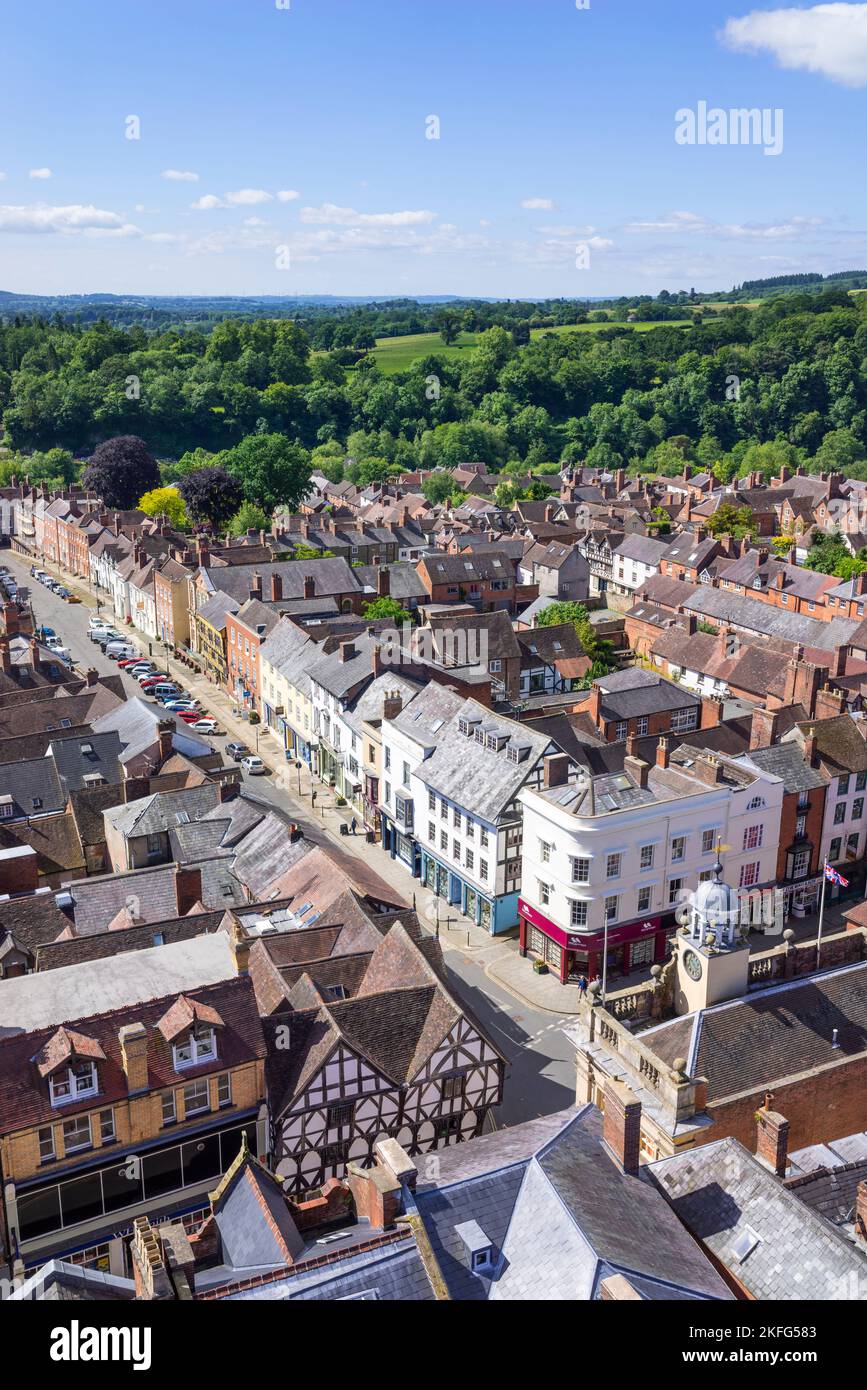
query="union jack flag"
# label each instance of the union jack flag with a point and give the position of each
(833, 877)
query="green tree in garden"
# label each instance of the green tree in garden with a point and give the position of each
(729, 520)
(164, 501)
(438, 487)
(249, 517)
(385, 608)
(274, 472)
(600, 652)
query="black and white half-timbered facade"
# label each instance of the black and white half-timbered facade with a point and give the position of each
(400, 1059)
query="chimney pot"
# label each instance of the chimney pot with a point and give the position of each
(621, 1125)
(772, 1138)
(662, 753)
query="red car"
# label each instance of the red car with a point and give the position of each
(151, 681)
(189, 716)
(126, 661)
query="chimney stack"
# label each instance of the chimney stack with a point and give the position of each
(133, 1039)
(556, 770)
(772, 1134)
(276, 587)
(662, 753)
(309, 586)
(637, 768)
(631, 745)
(621, 1125)
(392, 704)
(594, 708)
(256, 585)
(166, 731)
(188, 888)
(763, 728)
(383, 581)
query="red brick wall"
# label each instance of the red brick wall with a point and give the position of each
(820, 1105)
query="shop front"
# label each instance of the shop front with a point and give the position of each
(569, 954)
(454, 890)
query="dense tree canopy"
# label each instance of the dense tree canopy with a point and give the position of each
(743, 391)
(212, 495)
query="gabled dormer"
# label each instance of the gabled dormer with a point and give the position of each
(191, 1029)
(69, 1064)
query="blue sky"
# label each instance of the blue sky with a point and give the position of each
(301, 136)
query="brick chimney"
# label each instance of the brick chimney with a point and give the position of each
(708, 769)
(392, 704)
(772, 1138)
(711, 712)
(662, 753)
(637, 768)
(166, 732)
(829, 703)
(763, 727)
(149, 1271)
(256, 585)
(556, 770)
(632, 745)
(383, 581)
(347, 651)
(203, 554)
(621, 1125)
(133, 1039)
(594, 706)
(188, 887)
(91, 676)
(134, 788)
(309, 586)
(803, 680)
(276, 588)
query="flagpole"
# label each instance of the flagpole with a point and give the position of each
(821, 911)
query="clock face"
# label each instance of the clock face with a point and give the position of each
(692, 965)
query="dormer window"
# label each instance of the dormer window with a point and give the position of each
(200, 1045)
(78, 1080)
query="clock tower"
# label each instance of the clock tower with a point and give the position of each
(712, 957)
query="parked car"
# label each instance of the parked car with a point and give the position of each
(152, 678)
(253, 765)
(43, 632)
(205, 726)
(165, 690)
(105, 637)
(190, 716)
(52, 641)
(180, 703)
(61, 592)
(238, 751)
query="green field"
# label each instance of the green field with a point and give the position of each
(398, 354)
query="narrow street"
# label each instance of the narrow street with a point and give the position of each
(527, 1027)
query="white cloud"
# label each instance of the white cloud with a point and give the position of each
(206, 202)
(330, 213)
(287, 195)
(828, 39)
(538, 204)
(180, 176)
(2, 176)
(39, 174)
(694, 225)
(255, 222)
(72, 218)
(249, 196)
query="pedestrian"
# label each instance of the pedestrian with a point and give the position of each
(353, 824)
(582, 983)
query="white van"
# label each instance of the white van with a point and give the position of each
(120, 651)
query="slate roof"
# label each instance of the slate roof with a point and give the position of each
(84, 755)
(331, 576)
(97, 901)
(751, 1043)
(404, 581)
(724, 1196)
(722, 606)
(560, 1216)
(647, 550)
(786, 761)
(162, 811)
(219, 607)
(136, 724)
(472, 776)
(629, 694)
(34, 786)
(838, 743)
